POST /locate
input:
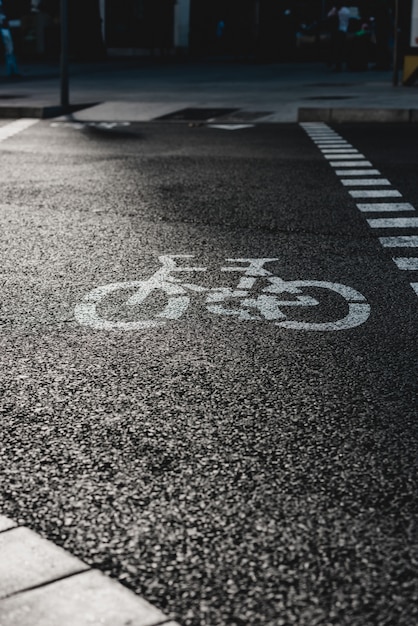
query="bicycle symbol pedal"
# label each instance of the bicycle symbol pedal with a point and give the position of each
(275, 301)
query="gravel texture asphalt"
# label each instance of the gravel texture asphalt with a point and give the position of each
(231, 472)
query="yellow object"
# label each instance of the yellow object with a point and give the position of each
(410, 70)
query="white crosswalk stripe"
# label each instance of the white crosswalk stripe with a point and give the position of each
(407, 263)
(340, 154)
(382, 207)
(363, 163)
(358, 172)
(346, 156)
(375, 193)
(393, 222)
(405, 241)
(354, 182)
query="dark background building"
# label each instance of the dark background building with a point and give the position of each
(140, 24)
(262, 30)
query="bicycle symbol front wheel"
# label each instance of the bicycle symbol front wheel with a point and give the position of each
(271, 306)
(358, 307)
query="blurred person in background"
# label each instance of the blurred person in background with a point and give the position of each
(12, 70)
(340, 17)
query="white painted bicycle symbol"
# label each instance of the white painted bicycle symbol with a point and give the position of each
(275, 300)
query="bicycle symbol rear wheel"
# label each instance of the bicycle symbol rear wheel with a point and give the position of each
(178, 301)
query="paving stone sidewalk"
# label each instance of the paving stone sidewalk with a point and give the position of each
(43, 585)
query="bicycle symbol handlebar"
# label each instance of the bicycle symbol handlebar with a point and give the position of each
(267, 305)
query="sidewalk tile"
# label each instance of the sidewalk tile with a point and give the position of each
(6, 523)
(87, 599)
(27, 560)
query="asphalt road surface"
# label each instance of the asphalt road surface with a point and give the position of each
(237, 442)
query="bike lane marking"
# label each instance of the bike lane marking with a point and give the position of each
(319, 132)
(266, 304)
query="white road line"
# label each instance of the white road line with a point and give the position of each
(333, 143)
(393, 222)
(378, 207)
(326, 138)
(341, 154)
(16, 127)
(357, 182)
(405, 241)
(407, 263)
(321, 131)
(368, 172)
(350, 163)
(335, 146)
(375, 193)
(231, 126)
(347, 155)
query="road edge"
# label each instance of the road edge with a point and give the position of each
(41, 584)
(340, 115)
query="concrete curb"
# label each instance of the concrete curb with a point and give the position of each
(340, 115)
(42, 584)
(41, 111)
(328, 115)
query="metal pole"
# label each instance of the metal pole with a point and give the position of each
(65, 99)
(395, 78)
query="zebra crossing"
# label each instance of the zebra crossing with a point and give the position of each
(341, 154)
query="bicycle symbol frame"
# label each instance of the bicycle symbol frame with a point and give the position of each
(267, 305)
